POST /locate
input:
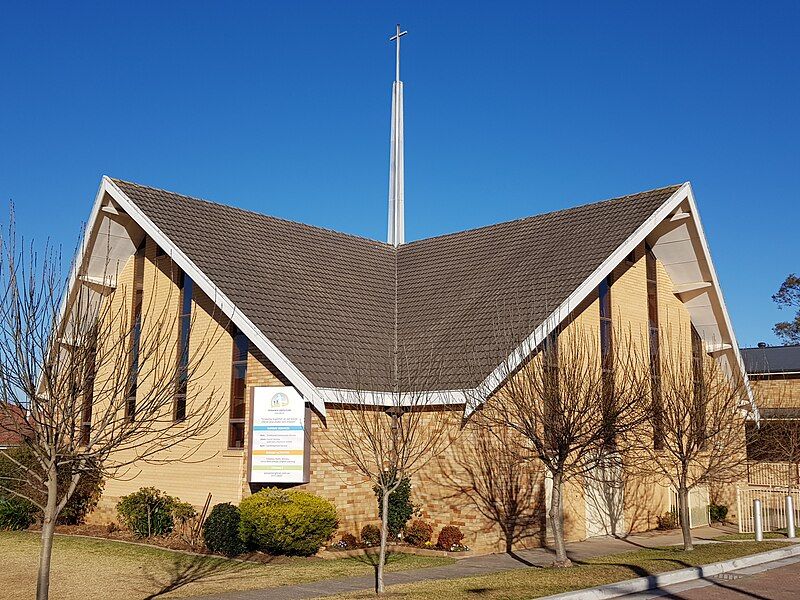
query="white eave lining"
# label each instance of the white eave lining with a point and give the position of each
(245, 325)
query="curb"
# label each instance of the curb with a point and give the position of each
(644, 584)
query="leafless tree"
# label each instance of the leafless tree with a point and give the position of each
(96, 376)
(696, 433)
(493, 469)
(775, 438)
(390, 425)
(573, 402)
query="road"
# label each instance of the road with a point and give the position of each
(773, 581)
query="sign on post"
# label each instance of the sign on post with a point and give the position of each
(280, 435)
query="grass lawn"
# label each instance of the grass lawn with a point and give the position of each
(88, 568)
(534, 582)
(768, 535)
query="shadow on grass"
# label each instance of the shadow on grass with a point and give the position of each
(183, 569)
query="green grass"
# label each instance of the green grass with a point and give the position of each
(769, 535)
(535, 582)
(88, 568)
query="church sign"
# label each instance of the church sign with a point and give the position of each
(279, 436)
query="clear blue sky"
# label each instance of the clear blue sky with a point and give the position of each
(512, 108)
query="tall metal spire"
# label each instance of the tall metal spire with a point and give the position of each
(396, 231)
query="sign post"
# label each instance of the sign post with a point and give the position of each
(280, 436)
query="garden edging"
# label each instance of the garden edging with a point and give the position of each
(399, 548)
(643, 584)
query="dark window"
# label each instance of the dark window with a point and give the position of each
(187, 288)
(607, 358)
(552, 400)
(236, 418)
(699, 387)
(136, 331)
(655, 365)
(88, 390)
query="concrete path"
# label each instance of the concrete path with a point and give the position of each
(770, 581)
(476, 565)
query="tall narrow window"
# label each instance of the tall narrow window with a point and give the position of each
(136, 331)
(90, 367)
(655, 365)
(607, 356)
(552, 399)
(187, 288)
(699, 387)
(238, 386)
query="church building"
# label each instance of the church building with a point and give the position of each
(303, 310)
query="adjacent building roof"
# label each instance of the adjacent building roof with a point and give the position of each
(333, 302)
(764, 360)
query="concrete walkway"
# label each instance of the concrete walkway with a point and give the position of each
(476, 565)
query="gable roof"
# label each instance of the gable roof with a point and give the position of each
(772, 359)
(332, 302)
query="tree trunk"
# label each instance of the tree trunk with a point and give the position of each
(48, 530)
(557, 522)
(683, 515)
(379, 588)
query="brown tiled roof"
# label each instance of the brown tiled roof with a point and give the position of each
(328, 300)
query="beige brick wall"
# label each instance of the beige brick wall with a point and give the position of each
(222, 472)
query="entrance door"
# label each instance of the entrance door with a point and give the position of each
(604, 494)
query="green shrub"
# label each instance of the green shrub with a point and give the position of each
(418, 532)
(718, 513)
(221, 530)
(148, 512)
(668, 520)
(289, 522)
(401, 509)
(16, 513)
(449, 538)
(24, 480)
(371, 535)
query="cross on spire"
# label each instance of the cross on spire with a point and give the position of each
(396, 230)
(396, 37)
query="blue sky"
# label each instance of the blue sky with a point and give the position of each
(512, 109)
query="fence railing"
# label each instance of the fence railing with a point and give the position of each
(773, 507)
(773, 474)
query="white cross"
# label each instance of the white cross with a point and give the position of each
(396, 37)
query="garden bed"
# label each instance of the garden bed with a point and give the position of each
(329, 554)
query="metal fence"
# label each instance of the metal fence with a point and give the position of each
(773, 507)
(772, 474)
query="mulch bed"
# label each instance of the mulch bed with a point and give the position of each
(169, 542)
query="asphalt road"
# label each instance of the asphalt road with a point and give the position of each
(775, 581)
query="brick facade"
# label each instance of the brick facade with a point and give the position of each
(222, 472)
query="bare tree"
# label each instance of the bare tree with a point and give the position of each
(696, 433)
(574, 402)
(775, 438)
(101, 376)
(390, 425)
(496, 472)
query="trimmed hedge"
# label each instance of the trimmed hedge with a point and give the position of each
(221, 530)
(289, 522)
(371, 535)
(16, 513)
(149, 511)
(418, 532)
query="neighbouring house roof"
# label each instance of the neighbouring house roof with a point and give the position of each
(332, 302)
(12, 425)
(772, 359)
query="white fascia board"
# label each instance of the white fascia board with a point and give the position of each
(521, 353)
(245, 325)
(390, 399)
(723, 308)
